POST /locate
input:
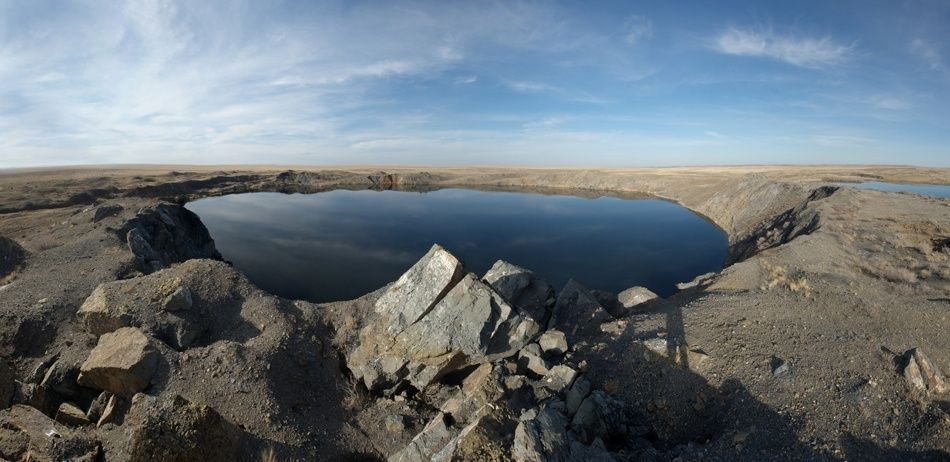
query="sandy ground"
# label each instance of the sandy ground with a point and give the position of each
(834, 283)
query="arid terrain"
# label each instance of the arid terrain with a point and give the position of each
(126, 336)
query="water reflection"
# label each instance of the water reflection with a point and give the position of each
(342, 244)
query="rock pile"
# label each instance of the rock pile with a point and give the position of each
(492, 355)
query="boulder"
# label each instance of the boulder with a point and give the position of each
(108, 308)
(70, 414)
(922, 373)
(577, 313)
(634, 297)
(61, 377)
(123, 363)
(522, 289)
(431, 323)
(174, 429)
(553, 342)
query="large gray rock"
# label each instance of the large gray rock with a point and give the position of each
(429, 325)
(522, 289)
(577, 313)
(417, 291)
(553, 342)
(123, 363)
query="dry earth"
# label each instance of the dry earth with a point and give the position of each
(800, 349)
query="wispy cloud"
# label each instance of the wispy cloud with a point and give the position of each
(638, 28)
(799, 51)
(465, 80)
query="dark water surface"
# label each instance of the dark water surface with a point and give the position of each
(933, 190)
(339, 245)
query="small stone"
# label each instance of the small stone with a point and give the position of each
(635, 297)
(395, 423)
(70, 414)
(530, 360)
(515, 382)
(779, 367)
(559, 378)
(553, 342)
(923, 374)
(179, 300)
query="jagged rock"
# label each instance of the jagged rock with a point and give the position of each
(600, 416)
(433, 437)
(105, 310)
(108, 411)
(122, 362)
(485, 438)
(701, 280)
(522, 289)
(923, 374)
(530, 360)
(61, 377)
(469, 325)
(179, 299)
(28, 434)
(553, 342)
(559, 378)
(634, 297)
(98, 406)
(577, 313)
(174, 429)
(70, 414)
(418, 290)
(542, 438)
(481, 387)
(576, 395)
(106, 211)
(7, 384)
(167, 233)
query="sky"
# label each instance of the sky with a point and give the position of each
(474, 83)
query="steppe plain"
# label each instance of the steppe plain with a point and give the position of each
(125, 337)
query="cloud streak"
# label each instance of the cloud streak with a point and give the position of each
(807, 52)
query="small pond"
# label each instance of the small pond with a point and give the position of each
(341, 244)
(933, 190)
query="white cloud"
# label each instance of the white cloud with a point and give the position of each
(799, 51)
(466, 80)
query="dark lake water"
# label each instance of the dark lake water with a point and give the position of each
(933, 190)
(342, 244)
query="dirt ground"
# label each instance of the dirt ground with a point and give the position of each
(796, 348)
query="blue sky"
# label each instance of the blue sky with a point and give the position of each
(474, 83)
